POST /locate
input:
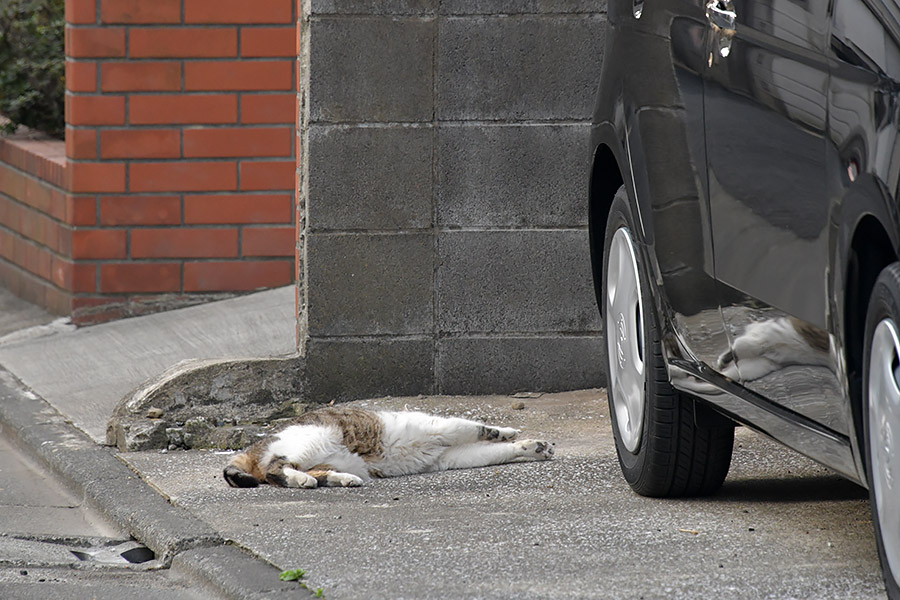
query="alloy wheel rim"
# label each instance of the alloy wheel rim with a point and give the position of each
(884, 425)
(624, 337)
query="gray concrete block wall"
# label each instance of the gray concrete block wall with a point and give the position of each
(510, 175)
(371, 178)
(514, 282)
(522, 67)
(370, 284)
(444, 173)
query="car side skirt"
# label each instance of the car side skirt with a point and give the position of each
(794, 430)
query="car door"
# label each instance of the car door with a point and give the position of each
(765, 93)
(663, 114)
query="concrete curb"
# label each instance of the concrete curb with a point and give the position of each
(109, 486)
(230, 571)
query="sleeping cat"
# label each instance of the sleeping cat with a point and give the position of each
(346, 446)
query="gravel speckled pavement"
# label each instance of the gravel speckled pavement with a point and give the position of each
(781, 527)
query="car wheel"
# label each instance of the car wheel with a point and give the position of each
(662, 450)
(881, 412)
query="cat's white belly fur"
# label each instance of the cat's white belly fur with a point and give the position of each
(311, 445)
(414, 442)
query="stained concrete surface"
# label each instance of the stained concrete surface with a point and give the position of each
(17, 314)
(781, 527)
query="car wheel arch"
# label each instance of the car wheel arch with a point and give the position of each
(871, 250)
(606, 179)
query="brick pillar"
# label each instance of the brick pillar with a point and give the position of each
(180, 147)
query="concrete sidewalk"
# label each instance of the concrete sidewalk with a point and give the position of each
(59, 386)
(782, 527)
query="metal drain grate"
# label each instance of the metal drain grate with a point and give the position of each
(122, 554)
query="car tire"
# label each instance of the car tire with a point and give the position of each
(662, 450)
(881, 418)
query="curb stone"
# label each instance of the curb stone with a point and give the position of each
(229, 570)
(118, 492)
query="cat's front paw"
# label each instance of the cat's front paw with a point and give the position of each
(535, 450)
(299, 479)
(344, 480)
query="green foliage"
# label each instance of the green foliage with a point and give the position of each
(33, 64)
(292, 575)
(297, 575)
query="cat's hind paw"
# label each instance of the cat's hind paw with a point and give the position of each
(344, 480)
(508, 433)
(498, 434)
(535, 449)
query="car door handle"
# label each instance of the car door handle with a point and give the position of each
(721, 15)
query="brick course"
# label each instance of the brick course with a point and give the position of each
(81, 76)
(133, 76)
(183, 42)
(179, 109)
(268, 108)
(140, 143)
(177, 172)
(237, 208)
(256, 75)
(140, 11)
(239, 11)
(269, 241)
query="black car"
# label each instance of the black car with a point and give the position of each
(745, 238)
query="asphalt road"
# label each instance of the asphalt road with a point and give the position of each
(781, 527)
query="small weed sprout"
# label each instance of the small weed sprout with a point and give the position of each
(292, 575)
(297, 575)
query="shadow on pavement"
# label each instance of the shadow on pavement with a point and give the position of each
(791, 489)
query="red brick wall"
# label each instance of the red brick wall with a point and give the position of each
(35, 214)
(180, 145)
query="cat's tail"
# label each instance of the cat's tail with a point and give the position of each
(237, 472)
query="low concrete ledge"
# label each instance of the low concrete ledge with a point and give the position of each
(225, 404)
